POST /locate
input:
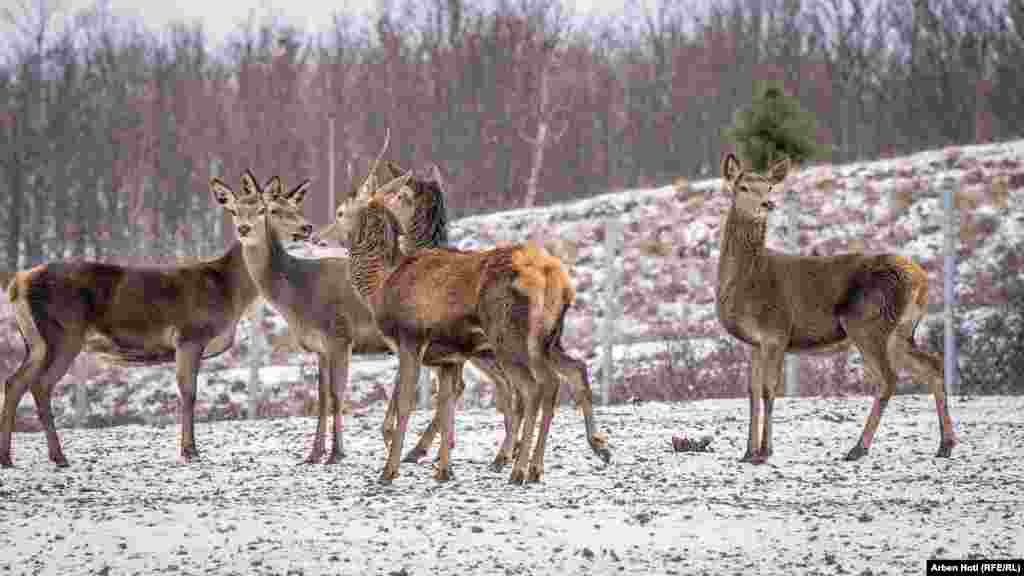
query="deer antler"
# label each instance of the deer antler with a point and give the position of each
(376, 162)
(394, 184)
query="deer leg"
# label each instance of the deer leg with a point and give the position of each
(549, 396)
(504, 402)
(409, 374)
(773, 377)
(186, 359)
(928, 367)
(445, 401)
(756, 387)
(458, 388)
(874, 348)
(14, 389)
(42, 390)
(323, 393)
(575, 371)
(422, 446)
(339, 366)
(532, 393)
(387, 427)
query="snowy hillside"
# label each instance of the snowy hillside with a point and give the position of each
(673, 346)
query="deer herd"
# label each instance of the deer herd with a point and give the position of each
(403, 290)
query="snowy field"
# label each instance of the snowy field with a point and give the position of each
(125, 506)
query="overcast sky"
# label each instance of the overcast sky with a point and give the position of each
(220, 17)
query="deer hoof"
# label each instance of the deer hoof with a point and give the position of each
(945, 449)
(518, 477)
(755, 457)
(189, 455)
(314, 457)
(335, 458)
(5, 461)
(535, 474)
(604, 454)
(61, 461)
(856, 453)
(499, 463)
(443, 474)
(387, 476)
(413, 456)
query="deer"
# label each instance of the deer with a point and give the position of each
(127, 315)
(314, 296)
(428, 228)
(445, 306)
(780, 303)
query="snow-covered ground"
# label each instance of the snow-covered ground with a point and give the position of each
(125, 506)
(668, 257)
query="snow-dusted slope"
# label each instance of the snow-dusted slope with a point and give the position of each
(668, 257)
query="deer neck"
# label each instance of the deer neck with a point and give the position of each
(269, 263)
(742, 248)
(371, 262)
(232, 265)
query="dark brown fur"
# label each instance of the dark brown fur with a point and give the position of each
(781, 303)
(128, 315)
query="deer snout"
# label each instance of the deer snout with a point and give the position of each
(244, 229)
(768, 205)
(307, 228)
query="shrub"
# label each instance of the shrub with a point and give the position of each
(774, 126)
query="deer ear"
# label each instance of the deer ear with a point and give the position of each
(435, 175)
(272, 190)
(780, 170)
(298, 193)
(249, 185)
(731, 167)
(221, 193)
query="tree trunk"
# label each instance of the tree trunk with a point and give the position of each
(539, 141)
(17, 191)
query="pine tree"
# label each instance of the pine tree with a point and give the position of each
(772, 127)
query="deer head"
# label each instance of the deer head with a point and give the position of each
(751, 192)
(251, 207)
(369, 190)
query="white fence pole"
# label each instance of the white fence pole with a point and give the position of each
(791, 371)
(257, 353)
(949, 371)
(330, 163)
(612, 240)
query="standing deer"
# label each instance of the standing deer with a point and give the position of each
(439, 305)
(128, 315)
(428, 228)
(780, 303)
(315, 296)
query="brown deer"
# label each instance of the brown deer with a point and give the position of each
(780, 303)
(315, 296)
(128, 315)
(428, 228)
(439, 305)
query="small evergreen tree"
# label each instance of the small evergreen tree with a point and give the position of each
(772, 127)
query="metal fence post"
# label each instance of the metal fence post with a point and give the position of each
(612, 240)
(950, 380)
(791, 369)
(257, 351)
